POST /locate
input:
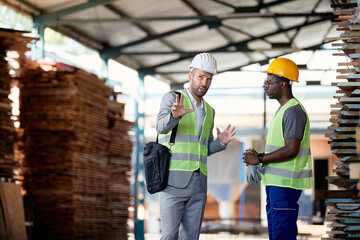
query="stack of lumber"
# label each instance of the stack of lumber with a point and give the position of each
(74, 164)
(120, 149)
(7, 129)
(10, 40)
(344, 203)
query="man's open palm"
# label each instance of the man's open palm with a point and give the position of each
(227, 135)
(177, 110)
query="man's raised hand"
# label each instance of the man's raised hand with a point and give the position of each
(227, 135)
(177, 110)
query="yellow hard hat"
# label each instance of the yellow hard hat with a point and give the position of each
(284, 67)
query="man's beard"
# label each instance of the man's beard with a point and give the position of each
(198, 94)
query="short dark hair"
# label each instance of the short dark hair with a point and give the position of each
(282, 79)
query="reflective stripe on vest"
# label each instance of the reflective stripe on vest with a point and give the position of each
(301, 153)
(296, 172)
(185, 138)
(190, 151)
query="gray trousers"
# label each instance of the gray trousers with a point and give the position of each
(182, 210)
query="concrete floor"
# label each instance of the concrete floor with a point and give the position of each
(224, 237)
(306, 232)
(206, 237)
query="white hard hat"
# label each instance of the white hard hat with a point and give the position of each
(205, 62)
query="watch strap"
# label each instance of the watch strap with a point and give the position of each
(260, 158)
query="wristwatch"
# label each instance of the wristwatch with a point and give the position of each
(260, 158)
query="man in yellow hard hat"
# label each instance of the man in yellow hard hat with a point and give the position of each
(287, 158)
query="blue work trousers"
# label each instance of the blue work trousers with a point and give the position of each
(282, 212)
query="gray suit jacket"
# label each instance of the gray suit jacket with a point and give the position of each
(164, 124)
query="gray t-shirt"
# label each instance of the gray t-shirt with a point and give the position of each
(294, 122)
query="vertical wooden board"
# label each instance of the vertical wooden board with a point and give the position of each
(354, 170)
(357, 137)
(14, 210)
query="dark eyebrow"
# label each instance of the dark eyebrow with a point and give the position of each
(203, 75)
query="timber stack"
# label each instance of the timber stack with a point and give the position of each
(343, 203)
(75, 162)
(10, 40)
(120, 149)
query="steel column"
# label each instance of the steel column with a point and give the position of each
(37, 47)
(139, 186)
(105, 70)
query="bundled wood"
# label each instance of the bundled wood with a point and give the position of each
(119, 167)
(10, 40)
(7, 163)
(344, 203)
(76, 160)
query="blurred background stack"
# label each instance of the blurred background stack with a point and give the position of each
(12, 224)
(120, 149)
(9, 41)
(69, 172)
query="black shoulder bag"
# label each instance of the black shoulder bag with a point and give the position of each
(157, 162)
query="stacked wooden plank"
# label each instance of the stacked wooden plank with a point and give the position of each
(344, 202)
(12, 211)
(119, 165)
(7, 129)
(10, 40)
(67, 148)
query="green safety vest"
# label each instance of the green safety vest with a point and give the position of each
(296, 172)
(190, 152)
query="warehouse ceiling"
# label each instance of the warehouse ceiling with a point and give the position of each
(160, 37)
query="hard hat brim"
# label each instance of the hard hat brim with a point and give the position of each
(279, 76)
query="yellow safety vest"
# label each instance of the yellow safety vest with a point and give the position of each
(296, 172)
(190, 152)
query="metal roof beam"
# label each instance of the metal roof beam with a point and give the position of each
(23, 7)
(266, 61)
(242, 32)
(215, 24)
(247, 9)
(52, 18)
(116, 51)
(275, 47)
(148, 31)
(277, 23)
(206, 18)
(239, 9)
(307, 20)
(262, 62)
(33, 9)
(79, 36)
(274, 3)
(145, 29)
(225, 4)
(238, 45)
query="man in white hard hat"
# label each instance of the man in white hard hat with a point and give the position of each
(182, 202)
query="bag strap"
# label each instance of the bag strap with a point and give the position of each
(174, 130)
